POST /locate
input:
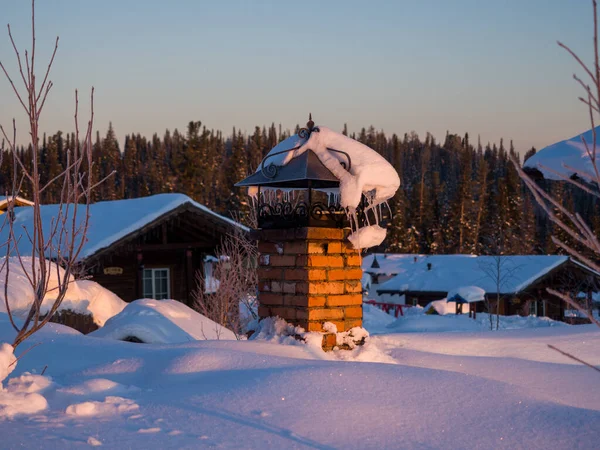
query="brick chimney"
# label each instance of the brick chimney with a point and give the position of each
(309, 276)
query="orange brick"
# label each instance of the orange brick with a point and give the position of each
(349, 250)
(353, 323)
(326, 287)
(269, 299)
(324, 233)
(265, 273)
(325, 261)
(353, 312)
(282, 260)
(345, 274)
(316, 301)
(305, 274)
(354, 274)
(296, 300)
(317, 274)
(334, 247)
(295, 247)
(353, 287)
(314, 326)
(317, 248)
(353, 260)
(344, 300)
(325, 314)
(329, 341)
(338, 324)
(336, 274)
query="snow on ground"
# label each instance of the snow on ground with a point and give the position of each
(161, 322)
(571, 153)
(468, 389)
(83, 296)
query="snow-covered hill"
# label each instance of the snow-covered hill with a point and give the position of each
(475, 390)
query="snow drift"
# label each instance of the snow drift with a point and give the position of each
(161, 322)
(83, 296)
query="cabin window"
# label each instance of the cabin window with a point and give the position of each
(157, 283)
(533, 308)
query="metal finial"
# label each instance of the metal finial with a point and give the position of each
(310, 124)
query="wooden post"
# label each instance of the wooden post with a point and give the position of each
(189, 278)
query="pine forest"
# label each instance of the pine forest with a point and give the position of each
(457, 196)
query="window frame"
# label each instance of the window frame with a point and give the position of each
(153, 271)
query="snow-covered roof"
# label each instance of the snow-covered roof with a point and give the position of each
(570, 152)
(468, 294)
(110, 221)
(451, 272)
(386, 263)
(19, 201)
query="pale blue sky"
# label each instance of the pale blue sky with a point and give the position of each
(484, 67)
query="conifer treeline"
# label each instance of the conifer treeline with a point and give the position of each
(456, 196)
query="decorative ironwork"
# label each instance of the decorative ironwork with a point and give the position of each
(322, 211)
(342, 163)
(270, 171)
(287, 215)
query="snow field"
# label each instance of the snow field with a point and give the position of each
(507, 387)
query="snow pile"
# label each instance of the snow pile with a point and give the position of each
(109, 407)
(102, 303)
(277, 330)
(369, 174)
(83, 296)
(21, 395)
(7, 361)
(366, 173)
(567, 157)
(469, 294)
(444, 307)
(95, 386)
(446, 321)
(161, 322)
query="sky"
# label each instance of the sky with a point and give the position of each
(489, 68)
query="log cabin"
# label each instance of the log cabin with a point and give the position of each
(150, 247)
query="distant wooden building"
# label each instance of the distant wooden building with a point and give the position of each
(17, 201)
(149, 247)
(522, 279)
